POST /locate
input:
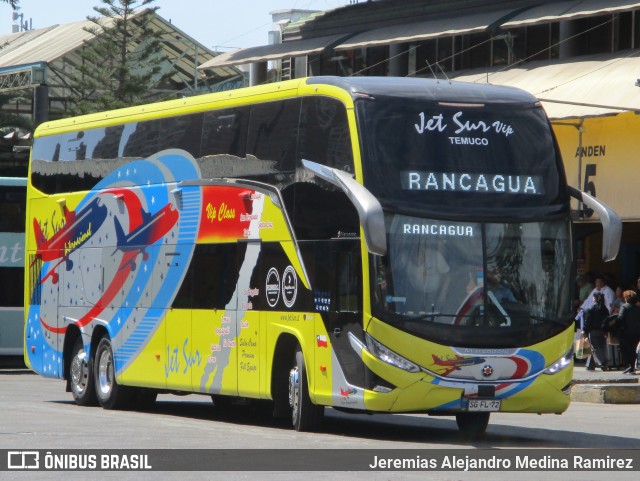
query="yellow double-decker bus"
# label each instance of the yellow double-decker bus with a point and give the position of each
(367, 244)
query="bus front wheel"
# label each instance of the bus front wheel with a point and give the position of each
(472, 424)
(111, 395)
(81, 376)
(305, 415)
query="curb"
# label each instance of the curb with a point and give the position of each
(624, 380)
(619, 393)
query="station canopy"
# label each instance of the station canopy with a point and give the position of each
(372, 24)
(587, 86)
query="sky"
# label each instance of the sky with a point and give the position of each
(217, 24)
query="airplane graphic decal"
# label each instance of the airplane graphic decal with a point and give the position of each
(105, 264)
(457, 363)
(346, 392)
(515, 376)
(152, 229)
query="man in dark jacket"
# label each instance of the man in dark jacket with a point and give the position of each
(594, 318)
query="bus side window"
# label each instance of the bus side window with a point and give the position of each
(107, 146)
(11, 294)
(211, 277)
(12, 206)
(317, 212)
(273, 133)
(152, 136)
(324, 133)
(224, 132)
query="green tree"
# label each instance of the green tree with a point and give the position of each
(9, 121)
(122, 64)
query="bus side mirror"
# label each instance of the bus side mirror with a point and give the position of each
(368, 207)
(610, 220)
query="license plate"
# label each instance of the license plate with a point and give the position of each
(484, 404)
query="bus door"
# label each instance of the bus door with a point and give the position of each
(336, 275)
(346, 306)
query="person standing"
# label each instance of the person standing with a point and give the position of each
(627, 328)
(594, 319)
(602, 287)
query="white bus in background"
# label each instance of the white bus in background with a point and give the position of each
(12, 218)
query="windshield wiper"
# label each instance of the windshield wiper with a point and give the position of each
(428, 316)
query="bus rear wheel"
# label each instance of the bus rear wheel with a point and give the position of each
(472, 424)
(305, 415)
(81, 376)
(110, 394)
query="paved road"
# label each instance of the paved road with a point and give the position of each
(36, 413)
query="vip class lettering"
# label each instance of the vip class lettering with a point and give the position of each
(220, 213)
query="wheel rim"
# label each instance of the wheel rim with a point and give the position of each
(79, 373)
(294, 392)
(105, 373)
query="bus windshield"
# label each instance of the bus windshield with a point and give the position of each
(510, 278)
(477, 220)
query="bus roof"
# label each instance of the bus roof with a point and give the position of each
(428, 89)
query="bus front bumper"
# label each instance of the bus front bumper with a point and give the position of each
(422, 392)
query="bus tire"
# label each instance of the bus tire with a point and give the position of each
(81, 376)
(110, 394)
(472, 424)
(305, 415)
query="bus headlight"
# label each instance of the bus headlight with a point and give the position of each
(387, 355)
(561, 363)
